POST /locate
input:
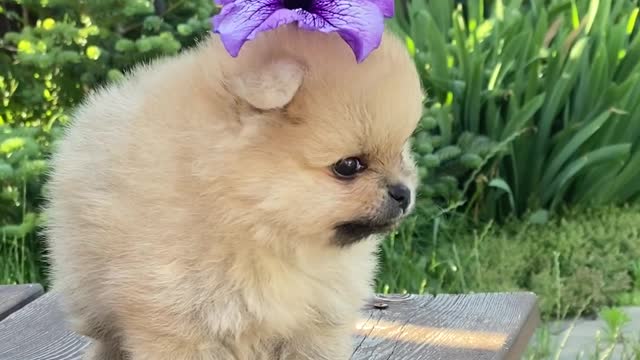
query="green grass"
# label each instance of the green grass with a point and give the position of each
(580, 262)
(20, 260)
(23, 165)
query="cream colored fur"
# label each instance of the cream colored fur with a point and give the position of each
(192, 206)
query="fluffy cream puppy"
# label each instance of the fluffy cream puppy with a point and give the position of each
(211, 207)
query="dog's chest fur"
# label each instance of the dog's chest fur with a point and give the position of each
(278, 304)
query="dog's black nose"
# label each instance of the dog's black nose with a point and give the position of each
(401, 194)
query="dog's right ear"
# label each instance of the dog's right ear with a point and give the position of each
(270, 86)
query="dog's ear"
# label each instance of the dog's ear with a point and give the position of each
(271, 86)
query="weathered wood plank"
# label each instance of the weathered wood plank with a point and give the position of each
(39, 332)
(480, 326)
(14, 297)
(447, 327)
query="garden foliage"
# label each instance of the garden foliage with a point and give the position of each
(575, 263)
(541, 95)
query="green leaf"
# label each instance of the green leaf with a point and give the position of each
(570, 149)
(448, 152)
(631, 61)
(431, 38)
(539, 217)
(521, 118)
(184, 29)
(558, 187)
(12, 144)
(558, 97)
(430, 160)
(473, 96)
(575, 16)
(471, 161)
(115, 75)
(441, 13)
(144, 45)
(633, 18)
(123, 45)
(460, 39)
(499, 183)
(590, 17)
(6, 171)
(411, 45)
(624, 185)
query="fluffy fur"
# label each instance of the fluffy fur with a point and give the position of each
(193, 210)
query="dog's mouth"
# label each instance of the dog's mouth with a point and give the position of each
(353, 231)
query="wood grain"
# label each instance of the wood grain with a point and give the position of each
(39, 332)
(444, 327)
(479, 326)
(14, 297)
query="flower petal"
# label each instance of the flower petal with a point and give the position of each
(386, 6)
(314, 22)
(278, 18)
(359, 22)
(237, 21)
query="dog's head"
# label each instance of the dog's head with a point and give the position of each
(329, 154)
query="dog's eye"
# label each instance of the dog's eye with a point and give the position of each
(348, 168)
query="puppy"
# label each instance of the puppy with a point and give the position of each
(211, 207)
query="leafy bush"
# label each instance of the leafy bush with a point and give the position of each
(553, 85)
(579, 262)
(52, 53)
(22, 166)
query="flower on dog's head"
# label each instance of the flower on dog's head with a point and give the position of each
(359, 22)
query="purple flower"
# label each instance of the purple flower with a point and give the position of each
(359, 22)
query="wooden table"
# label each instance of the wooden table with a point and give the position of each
(408, 327)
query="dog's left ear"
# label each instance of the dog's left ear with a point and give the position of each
(269, 87)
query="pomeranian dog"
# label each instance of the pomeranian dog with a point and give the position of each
(210, 207)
